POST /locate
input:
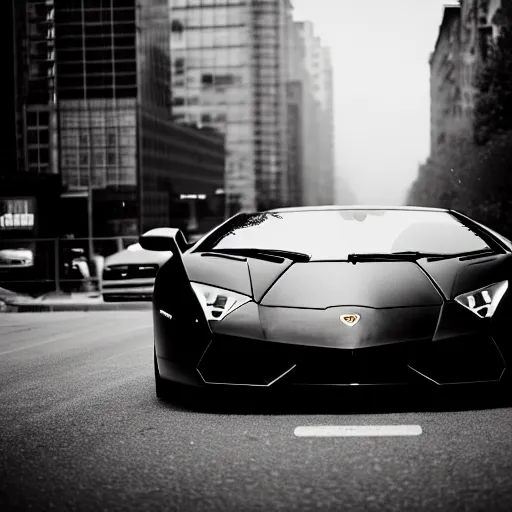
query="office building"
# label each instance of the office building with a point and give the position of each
(94, 107)
(315, 73)
(229, 72)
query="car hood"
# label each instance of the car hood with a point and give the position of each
(322, 285)
(317, 285)
(139, 256)
(8, 254)
(303, 303)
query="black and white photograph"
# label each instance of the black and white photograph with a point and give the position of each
(256, 255)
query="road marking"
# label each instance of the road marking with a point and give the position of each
(358, 430)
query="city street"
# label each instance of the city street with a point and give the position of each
(81, 429)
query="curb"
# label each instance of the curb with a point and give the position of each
(50, 308)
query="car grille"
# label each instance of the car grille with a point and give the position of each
(12, 262)
(243, 361)
(124, 272)
(251, 362)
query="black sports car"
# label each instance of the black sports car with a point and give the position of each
(333, 296)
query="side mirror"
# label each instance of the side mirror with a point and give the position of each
(164, 239)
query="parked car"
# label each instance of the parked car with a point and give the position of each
(18, 257)
(130, 274)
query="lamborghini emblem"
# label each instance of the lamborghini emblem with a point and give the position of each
(350, 320)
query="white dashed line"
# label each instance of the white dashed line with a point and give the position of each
(358, 430)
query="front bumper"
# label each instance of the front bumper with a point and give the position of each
(130, 289)
(235, 361)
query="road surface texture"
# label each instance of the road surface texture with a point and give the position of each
(81, 429)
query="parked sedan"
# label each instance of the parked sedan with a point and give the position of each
(130, 274)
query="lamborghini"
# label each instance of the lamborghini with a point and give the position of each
(334, 296)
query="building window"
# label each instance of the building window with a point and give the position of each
(177, 26)
(111, 158)
(179, 66)
(207, 79)
(84, 158)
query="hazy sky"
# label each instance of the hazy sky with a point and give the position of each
(380, 51)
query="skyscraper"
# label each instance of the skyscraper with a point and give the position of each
(318, 178)
(94, 107)
(8, 154)
(229, 72)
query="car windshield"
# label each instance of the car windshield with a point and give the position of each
(334, 234)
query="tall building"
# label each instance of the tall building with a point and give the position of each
(229, 72)
(462, 45)
(445, 91)
(328, 190)
(28, 189)
(295, 143)
(298, 90)
(317, 77)
(94, 107)
(478, 28)
(8, 156)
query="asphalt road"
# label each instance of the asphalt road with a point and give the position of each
(81, 429)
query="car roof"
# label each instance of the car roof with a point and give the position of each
(357, 207)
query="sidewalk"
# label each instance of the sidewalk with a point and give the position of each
(11, 302)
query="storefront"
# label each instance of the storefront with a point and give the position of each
(29, 213)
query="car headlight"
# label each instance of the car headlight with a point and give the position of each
(484, 301)
(217, 302)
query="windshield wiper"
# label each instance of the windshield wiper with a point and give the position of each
(463, 255)
(265, 253)
(415, 255)
(390, 256)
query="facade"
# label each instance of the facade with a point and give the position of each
(465, 34)
(462, 45)
(318, 176)
(28, 193)
(8, 154)
(446, 119)
(478, 27)
(299, 94)
(29, 209)
(94, 107)
(229, 73)
(328, 194)
(295, 143)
